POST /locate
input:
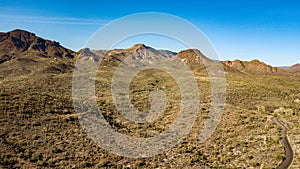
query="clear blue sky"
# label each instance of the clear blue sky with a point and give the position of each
(267, 30)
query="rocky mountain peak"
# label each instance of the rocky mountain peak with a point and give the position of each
(86, 52)
(138, 46)
(21, 34)
(18, 43)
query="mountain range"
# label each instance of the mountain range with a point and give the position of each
(22, 52)
(41, 126)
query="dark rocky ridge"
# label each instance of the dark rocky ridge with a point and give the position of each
(20, 42)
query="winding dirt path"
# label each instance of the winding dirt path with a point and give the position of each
(287, 147)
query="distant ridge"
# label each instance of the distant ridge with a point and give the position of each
(253, 67)
(293, 68)
(139, 52)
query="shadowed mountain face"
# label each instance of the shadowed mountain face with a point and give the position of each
(22, 52)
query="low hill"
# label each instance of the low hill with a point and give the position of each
(293, 68)
(253, 67)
